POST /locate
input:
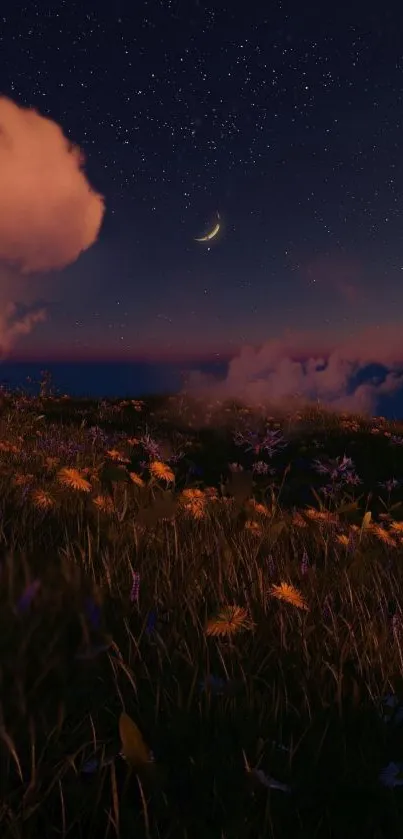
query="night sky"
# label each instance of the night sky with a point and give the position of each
(283, 118)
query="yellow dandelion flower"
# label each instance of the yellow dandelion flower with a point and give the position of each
(161, 470)
(104, 503)
(321, 515)
(289, 594)
(262, 509)
(298, 520)
(52, 462)
(74, 479)
(21, 480)
(9, 448)
(42, 500)
(382, 534)
(194, 502)
(253, 527)
(397, 526)
(114, 454)
(230, 620)
(342, 539)
(136, 479)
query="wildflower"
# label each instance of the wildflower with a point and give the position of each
(392, 775)
(389, 485)
(326, 610)
(298, 520)
(228, 621)
(396, 440)
(214, 684)
(396, 526)
(268, 781)
(392, 710)
(42, 500)
(194, 502)
(253, 527)
(104, 503)
(115, 455)
(161, 470)
(28, 596)
(151, 622)
(21, 480)
(259, 508)
(262, 468)
(136, 479)
(290, 595)
(382, 534)
(151, 446)
(396, 626)
(73, 478)
(304, 562)
(135, 590)
(52, 462)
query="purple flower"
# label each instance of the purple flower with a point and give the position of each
(396, 626)
(28, 596)
(304, 562)
(396, 440)
(135, 590)
(93, 613)
(389, 485)
(213, 683)
(151, 622)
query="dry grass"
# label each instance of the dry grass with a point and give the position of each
(217, 583)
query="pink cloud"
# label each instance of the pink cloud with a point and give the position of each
(282, 373)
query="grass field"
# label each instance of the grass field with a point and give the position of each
(201, 630)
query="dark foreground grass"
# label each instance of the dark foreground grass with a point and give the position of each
(230, 581)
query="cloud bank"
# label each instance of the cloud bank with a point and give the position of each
(49, 213)
(283, 374)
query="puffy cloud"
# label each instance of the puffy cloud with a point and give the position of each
(283, 375)
(49, 213)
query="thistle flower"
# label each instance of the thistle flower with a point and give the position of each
(135, 589)
(28, 595)
(228, 621)
(72, 478)
(290, 595)
(214, 684)
(93, 612)
(269, 782)
(304, 562)
(392, 775)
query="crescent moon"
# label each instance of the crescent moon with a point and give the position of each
(212, 234)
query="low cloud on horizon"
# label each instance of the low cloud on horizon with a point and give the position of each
(282, 373)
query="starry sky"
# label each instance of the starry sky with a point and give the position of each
(284, 118)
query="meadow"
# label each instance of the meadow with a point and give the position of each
(201, 629)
